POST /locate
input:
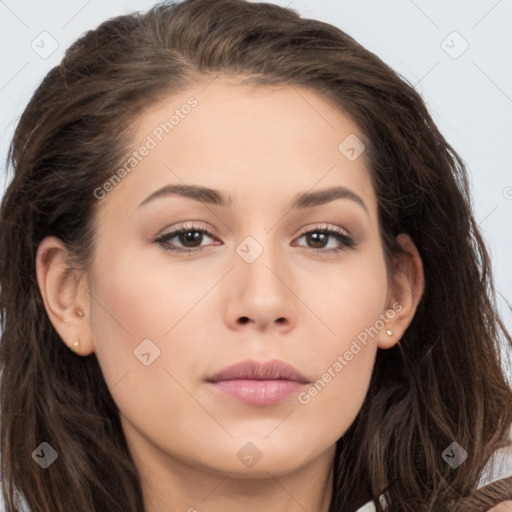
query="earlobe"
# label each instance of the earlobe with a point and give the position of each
(65, 299)
(406, 291)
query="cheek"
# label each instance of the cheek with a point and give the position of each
(332, 403)
(348, 299)
(343, 358)
(135, 300)
(350, 304)
(143, 296)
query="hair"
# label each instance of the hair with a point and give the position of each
(444, 382)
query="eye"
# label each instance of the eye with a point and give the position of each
(319, 237)
(189, 239)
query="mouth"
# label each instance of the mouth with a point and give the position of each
(258, 383)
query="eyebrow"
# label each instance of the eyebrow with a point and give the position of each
(217, 198)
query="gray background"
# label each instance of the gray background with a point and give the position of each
(458, 55)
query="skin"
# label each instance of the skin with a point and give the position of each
(261, 145)
(506, 506)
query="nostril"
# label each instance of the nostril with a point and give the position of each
(244, 320)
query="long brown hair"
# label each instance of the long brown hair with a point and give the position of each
(443, 383)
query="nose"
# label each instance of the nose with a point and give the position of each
(261, 294)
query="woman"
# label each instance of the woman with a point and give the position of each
(240, 270)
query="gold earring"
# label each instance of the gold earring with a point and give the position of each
(388, 332)
(76, 346)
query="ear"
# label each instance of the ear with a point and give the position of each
(406, 289)
(65, 295)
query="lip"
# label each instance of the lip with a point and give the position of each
(258, 383)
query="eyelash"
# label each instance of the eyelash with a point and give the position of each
(347, 241)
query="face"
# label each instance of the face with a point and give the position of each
(275, 272)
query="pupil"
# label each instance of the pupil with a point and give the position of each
(185, 237)
(317, 238)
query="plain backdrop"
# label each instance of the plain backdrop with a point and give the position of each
(457, 54)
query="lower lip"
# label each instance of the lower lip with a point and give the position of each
(258, 392)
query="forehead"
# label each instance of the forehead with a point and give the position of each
(258, 143)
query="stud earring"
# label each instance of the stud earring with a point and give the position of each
(76, 346)
(388, 332)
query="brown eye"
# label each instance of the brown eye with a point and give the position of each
(319, 238)
(188, 239)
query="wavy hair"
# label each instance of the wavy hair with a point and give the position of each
(443, 383)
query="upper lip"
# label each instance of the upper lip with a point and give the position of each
(270, 370)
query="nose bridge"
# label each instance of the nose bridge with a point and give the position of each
(262, 280)
(259, 260)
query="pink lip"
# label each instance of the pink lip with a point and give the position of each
(259, 383)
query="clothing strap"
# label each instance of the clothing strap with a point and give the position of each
(485, 498)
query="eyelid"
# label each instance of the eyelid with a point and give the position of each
(192, 225)
(323, 227)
